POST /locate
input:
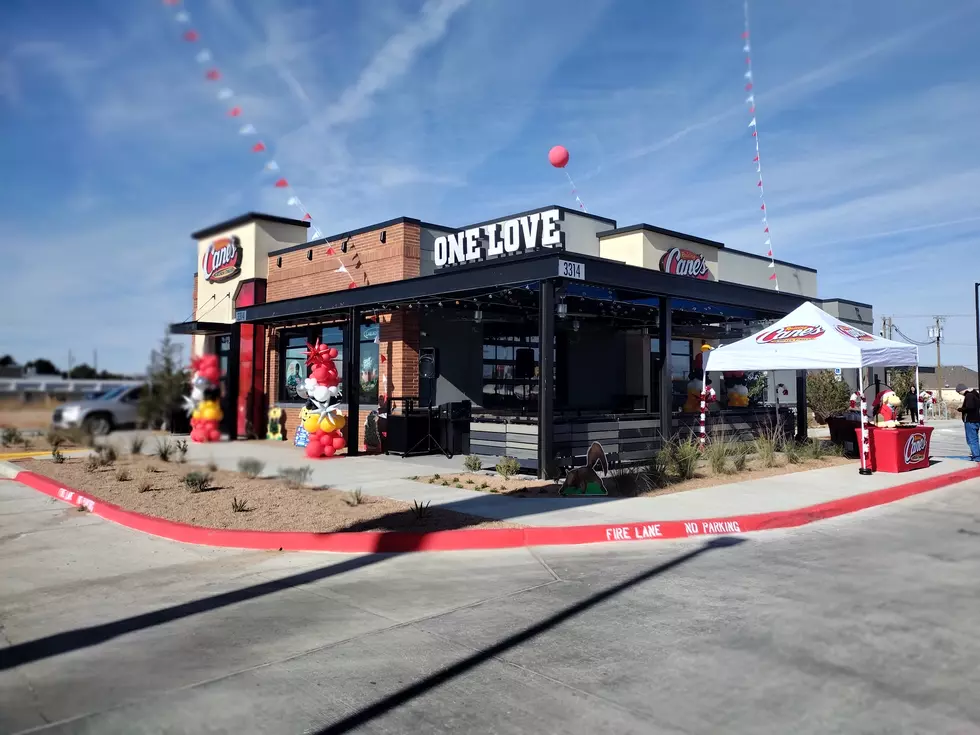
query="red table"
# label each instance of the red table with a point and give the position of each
(900, 449)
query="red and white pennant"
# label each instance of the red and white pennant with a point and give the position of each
(225, 94)
(754, 126)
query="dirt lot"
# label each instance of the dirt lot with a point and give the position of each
(30, 416)
(272, 504)
(619, 485)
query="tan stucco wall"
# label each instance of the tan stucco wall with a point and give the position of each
(644, 249)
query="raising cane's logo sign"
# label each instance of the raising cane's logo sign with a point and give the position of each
(222, 260)
(799, 333)
(915, 448)
(681, 262)
(854, 333)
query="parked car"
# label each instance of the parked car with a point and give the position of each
(114, 409)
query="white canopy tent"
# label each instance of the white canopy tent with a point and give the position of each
(809, 338)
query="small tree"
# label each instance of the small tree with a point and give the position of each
(825, 395)
(167, 383)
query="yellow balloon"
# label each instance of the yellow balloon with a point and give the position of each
(196, 414)
(311, 423)
(210, 412)
(326, 423)
(339, 422)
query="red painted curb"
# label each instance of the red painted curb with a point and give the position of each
(492, 538)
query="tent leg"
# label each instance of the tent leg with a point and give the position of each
(865, 448)
(918, 398)
(703, 434)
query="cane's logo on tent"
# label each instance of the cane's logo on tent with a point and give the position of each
(799, 333)
(854, 333)
(681, 262)
(222, 260)
(915, 448)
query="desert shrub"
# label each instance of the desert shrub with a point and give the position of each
(11, 436)
(825, 395)
(355, 497)
(182, 450)
(212, 466)
(136, 445)
(473, 463)
(765, 449)
(122, 475)
(198, 482)
(107, 455)
(93, 462)
(421, 510)
(165, 449)
(717, 453)
(250, 467)
(239, 506)
(145, 485)
(684, 454)
(508, 466)
(740, 457)
(295, 477)
(793, 452)
(814, 449)
(57, 456)
(55, 438)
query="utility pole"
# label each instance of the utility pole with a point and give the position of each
(887, 327)
(95, 360)
(936, 333)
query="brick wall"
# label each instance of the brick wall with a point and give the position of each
(369, 261)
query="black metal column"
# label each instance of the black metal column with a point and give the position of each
(802, 424)
(665, 385)
(352, 380)
(546, 379)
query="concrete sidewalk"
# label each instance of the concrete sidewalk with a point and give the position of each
(387, 476)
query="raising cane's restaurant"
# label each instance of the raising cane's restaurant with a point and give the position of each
(441, 330)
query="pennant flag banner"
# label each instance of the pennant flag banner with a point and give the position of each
(225, 94)
(754, 126)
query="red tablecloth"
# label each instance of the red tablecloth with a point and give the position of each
(900, 449)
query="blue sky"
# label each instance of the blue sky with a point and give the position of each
(115, 148)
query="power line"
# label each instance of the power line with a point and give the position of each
(910, 340)
(933, 316)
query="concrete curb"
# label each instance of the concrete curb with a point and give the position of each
(495, 538)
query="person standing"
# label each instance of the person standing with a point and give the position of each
(912, 404)
(971, 418)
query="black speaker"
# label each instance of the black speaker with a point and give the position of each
(524, 364)
(459, 410)
(428, 367)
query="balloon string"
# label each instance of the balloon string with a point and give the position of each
(581, 204)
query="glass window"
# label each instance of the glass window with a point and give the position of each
(294, 368)
(502, 345)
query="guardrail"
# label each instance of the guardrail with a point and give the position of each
(41, 384)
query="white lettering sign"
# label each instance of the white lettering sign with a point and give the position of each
(525, 234)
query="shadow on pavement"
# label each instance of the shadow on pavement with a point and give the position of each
(74, 640)
(382, 706)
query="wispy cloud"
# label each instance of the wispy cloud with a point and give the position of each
(394, 59)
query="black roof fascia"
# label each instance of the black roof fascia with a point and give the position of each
(846, 301)
(244, 219)
(643, 226)
(504, 272)
(187, 328)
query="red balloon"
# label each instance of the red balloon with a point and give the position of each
(323, 348)
(339, 442)
(314, 450)
(329, 451)
(332, 353)
(320, 374)
(214, 435)
(558, 156)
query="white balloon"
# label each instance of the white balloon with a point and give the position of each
(333, 390)
(301, 391)
(321, 393)
(311, 384)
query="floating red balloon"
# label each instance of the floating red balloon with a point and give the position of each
(558, 156)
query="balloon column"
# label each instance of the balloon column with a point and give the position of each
(203, 406)
(738, 392)
(323, 422)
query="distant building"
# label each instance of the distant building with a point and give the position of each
(952, 376)
(11, 371)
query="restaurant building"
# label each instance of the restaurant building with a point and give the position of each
(433, 314)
